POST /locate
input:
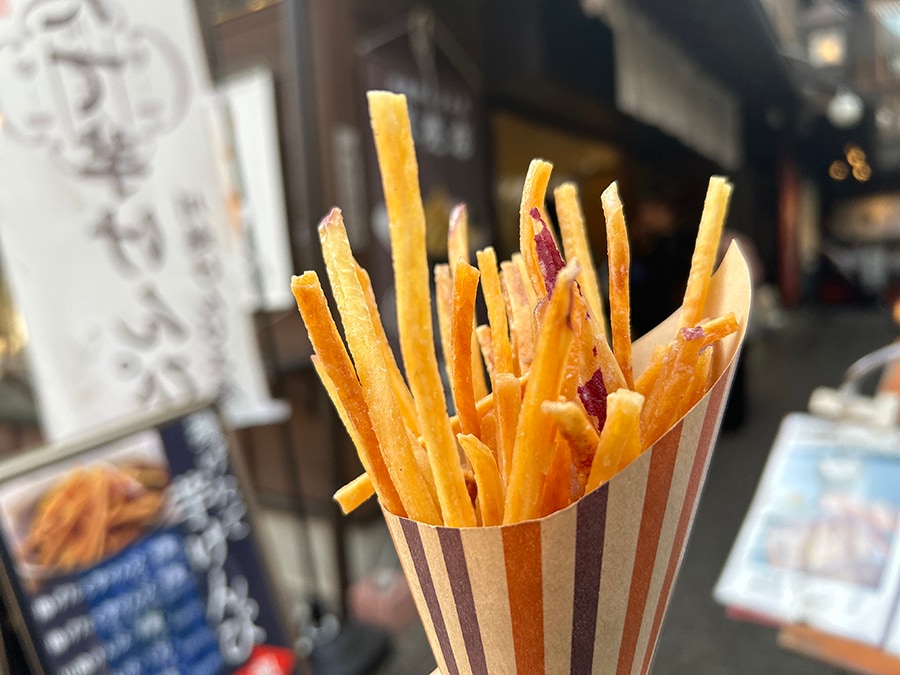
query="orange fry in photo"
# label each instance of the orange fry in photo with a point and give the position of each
(577, 428)
(355, 493)
(619, 255)
(371, 370)
(645, 380)
(706, 250)
(557, 492)
(533, 450)
(620, 440)
(401, 391)
(496, 309)
(443, 298)
(329, 347)
(533, 194)
(406, 217)
(508, 401)
(576, 246)
(699, 382)
(465, 289)
(487, 478)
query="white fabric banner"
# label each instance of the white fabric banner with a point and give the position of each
(113, 219)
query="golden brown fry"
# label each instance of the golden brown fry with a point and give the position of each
(533, 451)
(533, 194)
(699, 382)
(401, 391)
(406, 216)
(646, 379)
(465, 288)
(458, 237)
(579, 432)
(575, 243)
(706, 249)
(372, 372)
(520, 313)
(619, 294)
(424, 464)
(327, 343)
(596, 353)
(458, 250)
(508, 401)
(557, 492)
(620, 440)
(678, 366)
(352, 495)
(443, 298)
(496, 309)
(487, 478)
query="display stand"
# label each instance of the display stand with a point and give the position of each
(852, 420)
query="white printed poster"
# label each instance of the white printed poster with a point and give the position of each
(113, 219)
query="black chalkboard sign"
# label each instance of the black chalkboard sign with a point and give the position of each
(134, 552)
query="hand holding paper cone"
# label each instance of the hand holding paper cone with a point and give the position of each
(589, 450)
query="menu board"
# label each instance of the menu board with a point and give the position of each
(135, 553)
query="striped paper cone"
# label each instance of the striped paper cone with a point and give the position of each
(585, 589)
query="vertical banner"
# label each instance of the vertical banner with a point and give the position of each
(113, 219)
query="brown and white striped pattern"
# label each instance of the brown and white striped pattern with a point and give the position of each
(585, 589)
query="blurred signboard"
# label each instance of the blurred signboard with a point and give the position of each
(115, 234)
(134, 552)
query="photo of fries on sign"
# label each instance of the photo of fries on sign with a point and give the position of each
(541, 522)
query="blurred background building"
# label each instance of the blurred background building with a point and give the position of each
(797, 101)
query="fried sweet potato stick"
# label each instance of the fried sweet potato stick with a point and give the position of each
(534, 447)
(699, 382)
(443, 298)
(620, 439)
(458, 250)
(533, 195)
(465, 288)
(329, 347)
(401, 391)
(576, 246)
(557, 491)
(372, 372)
(352, 495)
(619, 294)
(487, 478)
(507, 402)
(679, 363)
(496, 309)
(406, 216)
(520, 314)
(706, 249)
(578, 430)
